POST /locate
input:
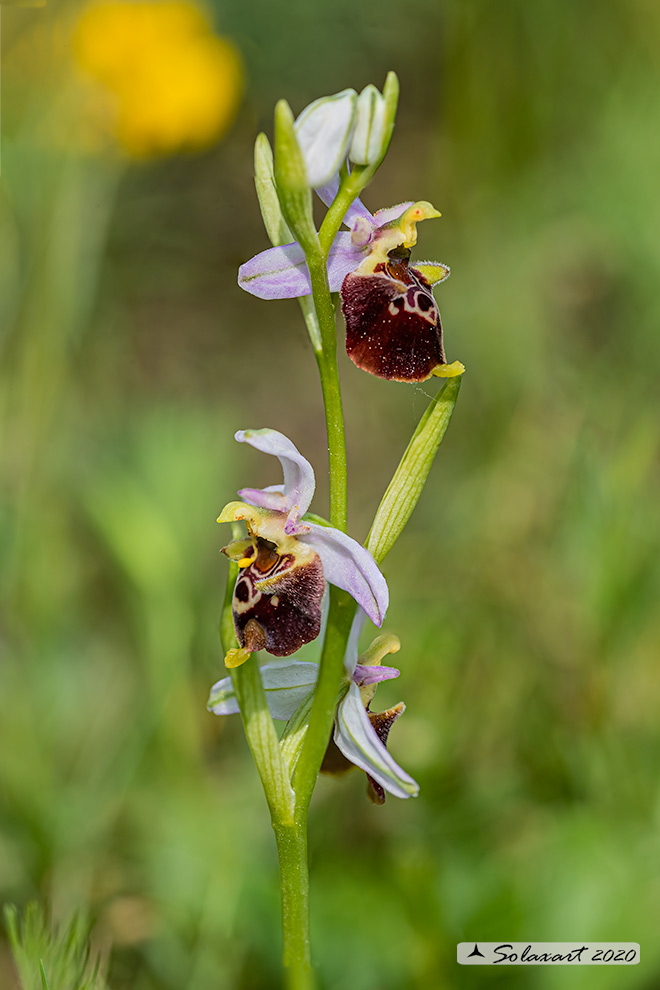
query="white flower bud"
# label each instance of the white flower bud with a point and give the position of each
(324, 131)
(369, 131)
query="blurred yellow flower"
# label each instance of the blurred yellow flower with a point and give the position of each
(164, 82)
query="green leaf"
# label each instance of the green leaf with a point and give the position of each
(410, 477)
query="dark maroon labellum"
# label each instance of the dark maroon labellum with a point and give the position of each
(393, 327)
(381, 723)
(277, 601)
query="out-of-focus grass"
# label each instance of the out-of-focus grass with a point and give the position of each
(47, 957)
(524, 590)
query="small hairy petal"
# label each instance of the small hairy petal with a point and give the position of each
(348, 565)
(271, 497)
(373, 674)
(359, 742)
(299, 481)
(390, 213)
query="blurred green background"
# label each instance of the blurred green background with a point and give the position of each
(524, 590)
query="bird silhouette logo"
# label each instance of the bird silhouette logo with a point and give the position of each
(475, 952)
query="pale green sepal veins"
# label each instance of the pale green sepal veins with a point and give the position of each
(370, 120)
(286, 683)
(293, 737)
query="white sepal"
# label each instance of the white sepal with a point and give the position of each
(324, 131)
(222, 700)
(286, 684)
(359, 743)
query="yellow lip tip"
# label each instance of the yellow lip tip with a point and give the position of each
(452, 370)
(236, 657)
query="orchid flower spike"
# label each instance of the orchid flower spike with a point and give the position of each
(360, 735)
(393, 327)
(286, 561)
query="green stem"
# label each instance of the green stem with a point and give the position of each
(334, 423)
(342, 606)
(326, 359)
(290, 835)
(332, 221)
(324, 705)
(262, 738)
(291, 841)
(257, 720)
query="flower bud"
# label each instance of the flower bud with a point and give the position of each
(370, 125)
(324, 130)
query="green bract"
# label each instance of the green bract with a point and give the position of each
(264, 181)
(293, 189)
(409, 478)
